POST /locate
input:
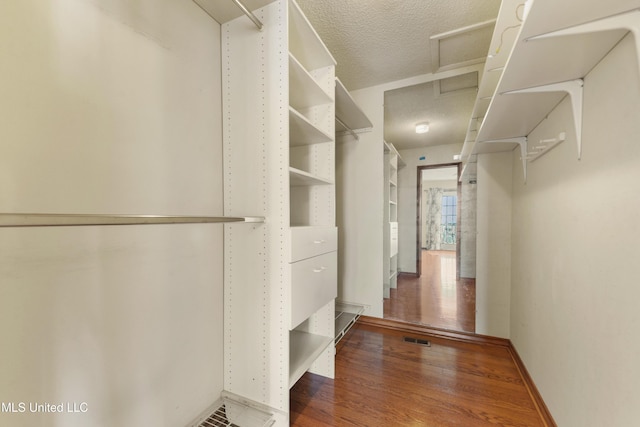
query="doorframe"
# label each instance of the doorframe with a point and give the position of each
(458, 165)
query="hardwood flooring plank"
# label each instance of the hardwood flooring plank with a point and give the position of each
(383, 381)
(436, 298)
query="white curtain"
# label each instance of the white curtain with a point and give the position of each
(433, 218)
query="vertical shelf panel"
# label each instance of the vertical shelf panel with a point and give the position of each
(255, 72)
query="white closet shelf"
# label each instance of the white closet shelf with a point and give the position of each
(504, 36)
(346, 316)
(304, 41)
(225, 10)
(304, 91)
(303, 132)
(543, 57)
(67, 220)
(349, 114)
(299, 177)
(304, 349)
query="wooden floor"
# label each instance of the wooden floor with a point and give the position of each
(436, 298)
(383, 381)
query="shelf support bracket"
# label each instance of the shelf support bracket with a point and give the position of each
(249, 14)
(574, 88)
(348, 129)
(627, 21)
(522, 142)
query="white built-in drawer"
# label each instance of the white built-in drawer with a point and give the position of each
(393, 238)
(314, 283)
(307, 242)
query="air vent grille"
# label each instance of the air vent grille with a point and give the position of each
(414, 340)
(230, 413)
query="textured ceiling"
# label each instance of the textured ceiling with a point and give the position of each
(378, 41)
(382, 41)
(446, 105)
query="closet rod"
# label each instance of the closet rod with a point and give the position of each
(348, 129)
(248, 13)
(69, 220)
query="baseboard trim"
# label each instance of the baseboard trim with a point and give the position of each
(434, 332)
(404, 273)
(468, 337)
(541, 407)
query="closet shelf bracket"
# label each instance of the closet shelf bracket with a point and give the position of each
(522, 142)
(222, 13)
(348, 129)
(628, 21)
(68, 220)
(574, 88)
(249, 14)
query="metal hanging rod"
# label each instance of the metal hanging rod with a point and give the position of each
(248, 13)
(69, 220)
(348, 129)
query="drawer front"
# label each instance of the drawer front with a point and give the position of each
(314, 283)
(307, 242)
(393, 238)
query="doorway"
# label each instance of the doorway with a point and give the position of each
(438, 211)
(436, 295)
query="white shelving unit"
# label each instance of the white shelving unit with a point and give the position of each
(279, 163)
(556, 47)
(312, 204)
(304, 132)
(392, 162)
(346, 316)
(350, 121)
(299, 177)
(304, 350)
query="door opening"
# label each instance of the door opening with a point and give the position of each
(438, 211)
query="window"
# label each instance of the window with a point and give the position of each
(449, 220)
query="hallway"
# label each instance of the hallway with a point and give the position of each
(436, 298)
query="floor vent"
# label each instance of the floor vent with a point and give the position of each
(417, 341)
(229, 413)
(218, 419)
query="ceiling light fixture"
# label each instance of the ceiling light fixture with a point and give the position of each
(422, 127)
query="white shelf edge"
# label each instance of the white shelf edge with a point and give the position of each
(223, 11)
(629, 20)
(304, 349)
(307, 92)
(570, 84)
(299, 177)
(303, 132)
(348, 112)
(320, 56)
(574, 89)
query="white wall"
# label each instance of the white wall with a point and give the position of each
(574, 299)
(493, 244)
(110, 107)
(359, 184)
(469, 197)
(407, 197)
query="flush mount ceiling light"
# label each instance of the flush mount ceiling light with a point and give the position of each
(422, 127)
